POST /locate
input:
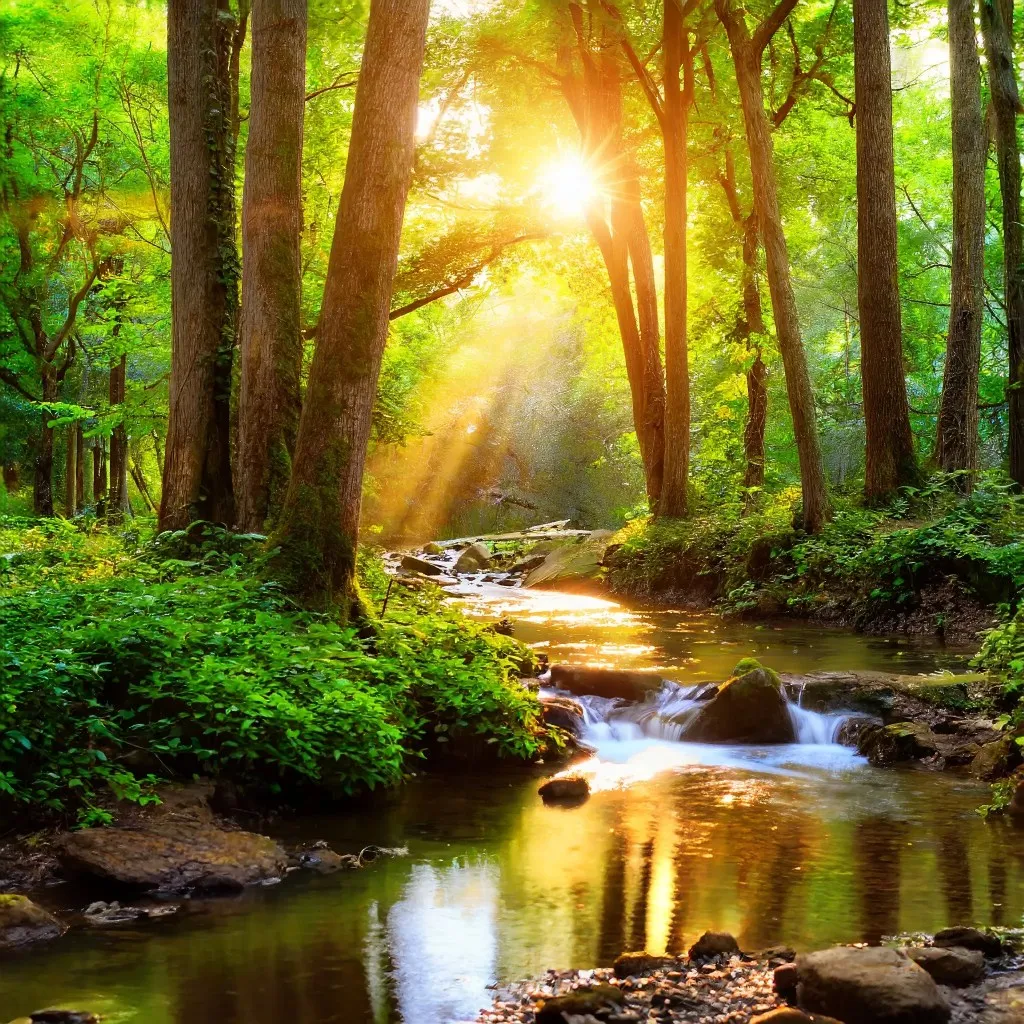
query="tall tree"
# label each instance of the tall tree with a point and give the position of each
(747, 51)
(201, 38)
(270, 331)
(319, 523)
(957, 439)
(997, 29)
(890, 461)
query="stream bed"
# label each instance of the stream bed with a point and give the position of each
(801, 845)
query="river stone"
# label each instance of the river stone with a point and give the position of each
(785, 979)
(883, 745)
(433, 548)
(791, 1015)
(23, 922)
(527, 564)
(475, 558)
(714, 944)
(413, 564)
(571, 565)
(586, 1000)
(950, 965)
(969, 938)
(993, 760)
(173, 855)
(749, 708)
(566, 789)
(873, 985)
(604, 682)
(1005, 1004)
(564, 713)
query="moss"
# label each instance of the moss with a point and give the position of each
(745, 665)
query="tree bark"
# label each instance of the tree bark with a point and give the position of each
(677, 373)
(12, 477)
(270, 331)
(997, 29)
(79, 467)
(117, 505)
(956, 446)
(751, 328)
(890, 459)
(747, 52)
(318, 532)
(204, 263)
(70, 471)
(99, 472)
(43, 484)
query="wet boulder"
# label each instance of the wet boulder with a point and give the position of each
(950, 965)
(994, 759)
(960, 937)
(565, 789)
(563, 713)
(571, 566)
(23, 922)
(475, 558)
(605, 682)
(173, 856)
(714, 944)
(748, 708)
(874, 985)
(413, 564)
(527, 564)
(433, 548)
(884, 745)
(559, 1009)
(639, 963)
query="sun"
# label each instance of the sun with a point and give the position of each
(568, 186)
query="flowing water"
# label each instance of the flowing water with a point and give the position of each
(802, 844)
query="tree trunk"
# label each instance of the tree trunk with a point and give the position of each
(956, 445)
(677, 373)
(70, 471)
(270, 329)
(204, 264)
(117, 506)
(757, 376)
(99, 472)
(79, 467)
(747, 60)
(43, 484)
(890, 459)
(319, 526)
(997, 29)
(12, 477)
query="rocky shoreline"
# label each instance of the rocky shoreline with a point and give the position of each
(959, 976)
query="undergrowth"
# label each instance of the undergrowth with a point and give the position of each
(126, 661)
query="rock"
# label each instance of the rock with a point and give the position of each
(713, 944)
(527, 564)
(325, 861)
(883, 745)
(791, 1015)
(173, 855)
(638, 963)
(1015, 808)
(784, 980)
(565, 789)
(585, 1000)
(969, 938)
(873, 985)
(1005, 1004)
(564, 713)
(413, 564)
(432, 548)
(950, 965)
(56, 1016)
(103, 914)
(749, 708)
(604, 682)
(23, 922)
(572, 565)
(475, 558)
(993, 760)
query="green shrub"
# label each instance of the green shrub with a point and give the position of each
(193, 663)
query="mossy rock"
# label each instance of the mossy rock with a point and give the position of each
(585, 1001)
(748, 708)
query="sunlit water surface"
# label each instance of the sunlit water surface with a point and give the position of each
(802, 844)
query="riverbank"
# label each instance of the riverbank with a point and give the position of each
(958, 976)
(127, 662)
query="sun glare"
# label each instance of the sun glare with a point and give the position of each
(568, 186)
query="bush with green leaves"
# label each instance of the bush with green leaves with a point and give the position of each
(187, 661)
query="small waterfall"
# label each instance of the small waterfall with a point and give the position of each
(665, 714)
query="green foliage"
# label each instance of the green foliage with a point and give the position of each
(185, 660)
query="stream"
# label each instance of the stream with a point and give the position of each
(802, 845)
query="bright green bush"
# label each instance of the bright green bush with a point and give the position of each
(191, 662)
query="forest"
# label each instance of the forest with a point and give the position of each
(548, 475)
